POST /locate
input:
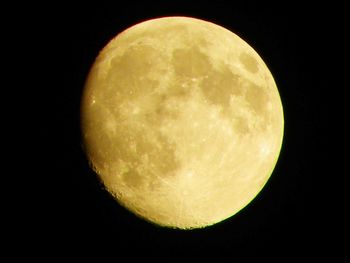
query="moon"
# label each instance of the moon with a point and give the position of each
(182, 121)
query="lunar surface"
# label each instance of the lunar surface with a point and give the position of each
(182, 121)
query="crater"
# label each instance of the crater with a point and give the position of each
(164, 107)
(166, 111)
(241, 125)
(132, 178)
(249, 62)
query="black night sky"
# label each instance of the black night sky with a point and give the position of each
(77, 212)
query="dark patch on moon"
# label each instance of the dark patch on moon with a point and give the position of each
(134, 144)
(190, 63)
(129, 73)
(164, 111)
(219, 86)
(241, 125)
(160, 109)
(249, 62)
(257, 98)
(166, 159)
(132, 178)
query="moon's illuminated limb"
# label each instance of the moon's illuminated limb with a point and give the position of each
(182, 121)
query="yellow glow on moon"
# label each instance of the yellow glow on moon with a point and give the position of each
(182, 121)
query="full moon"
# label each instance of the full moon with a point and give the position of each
(181, 121)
